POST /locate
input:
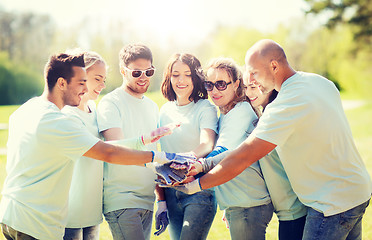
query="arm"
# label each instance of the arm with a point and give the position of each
(118, 155)
(113, 134)
(207, 139)
(236, 162)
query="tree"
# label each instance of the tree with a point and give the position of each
(357, 13)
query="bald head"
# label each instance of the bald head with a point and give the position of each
(266, 65)
(266, 50)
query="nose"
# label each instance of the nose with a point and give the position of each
(85, 88)
(103, 85)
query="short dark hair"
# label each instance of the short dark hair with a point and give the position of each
(132, 52)
(197, 77)
(60, 65)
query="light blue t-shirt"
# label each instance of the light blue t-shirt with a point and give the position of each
(248, 189)
(286, 204)
(86, 192)
(315, 144)
(128, 186)
(193, 118)
(42, 147)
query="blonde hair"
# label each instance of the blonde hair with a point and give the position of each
(90, 57)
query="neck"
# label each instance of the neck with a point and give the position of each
(182, 101)
(286, 74)
(131, 92)
(53, 98)
(83, 106)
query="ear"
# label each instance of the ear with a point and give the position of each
(122, 71)
(274, 66)
(61, 83)
(236, 84)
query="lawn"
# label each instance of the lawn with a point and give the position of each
(359, 120)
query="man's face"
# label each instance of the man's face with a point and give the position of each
(75, 90)
(137, 85)
(258, 73)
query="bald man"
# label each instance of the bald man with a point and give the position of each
(308, 127)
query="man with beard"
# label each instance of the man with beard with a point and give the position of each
(127, 113)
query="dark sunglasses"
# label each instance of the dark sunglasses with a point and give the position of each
(138, 73)
(220, 85)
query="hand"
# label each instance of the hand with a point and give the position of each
(169, 174)
(225, 220)
(161, 218)
(159, 133)
(188, 188)
(163, 157)
(195, 168)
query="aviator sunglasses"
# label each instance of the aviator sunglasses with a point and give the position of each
(221, 85)
(137, 73)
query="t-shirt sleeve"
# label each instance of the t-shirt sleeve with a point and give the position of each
(208, 117)
(236, 126)
(108, 115)
(68, 135)
(280, 119)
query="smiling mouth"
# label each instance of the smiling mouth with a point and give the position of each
(181, 87)
(141, 84)
(253, 99)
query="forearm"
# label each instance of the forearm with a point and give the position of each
(211, 162)
(236, 162)
(118, 155)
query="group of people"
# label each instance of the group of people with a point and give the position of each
(271, 140)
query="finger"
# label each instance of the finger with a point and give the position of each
(188, 179)
(160, 231)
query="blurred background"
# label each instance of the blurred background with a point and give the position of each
(328, 37)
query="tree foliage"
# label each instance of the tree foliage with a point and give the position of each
(357, 13)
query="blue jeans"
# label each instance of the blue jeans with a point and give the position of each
(130, 223)
(12, 234)
(346, 225)
(292, 229)
(190, 216)
(249, 223)
(87, 233)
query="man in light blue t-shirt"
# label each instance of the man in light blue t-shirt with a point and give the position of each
(128, 191)
(308, 127)
(43, 145)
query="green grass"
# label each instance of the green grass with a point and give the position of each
(359, 120)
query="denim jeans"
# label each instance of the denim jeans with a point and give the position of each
(87, 233)
(346, 225)
(292, 229)
(249, 223)
(130, 223)
(12, 234)
(190, 216)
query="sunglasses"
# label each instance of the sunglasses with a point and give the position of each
(221, 85)
(138, 73)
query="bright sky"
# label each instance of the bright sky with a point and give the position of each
(181, 20)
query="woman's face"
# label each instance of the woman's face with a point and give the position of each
(181, 81)
(257, 97)
(221, 97)
(96, 77)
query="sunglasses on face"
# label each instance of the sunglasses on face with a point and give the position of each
(220, 85)
(138, 73)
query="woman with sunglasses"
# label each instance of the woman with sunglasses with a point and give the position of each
(289, 210)
(190, 216)
(245, 199)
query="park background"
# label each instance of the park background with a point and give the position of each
(328, 37)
